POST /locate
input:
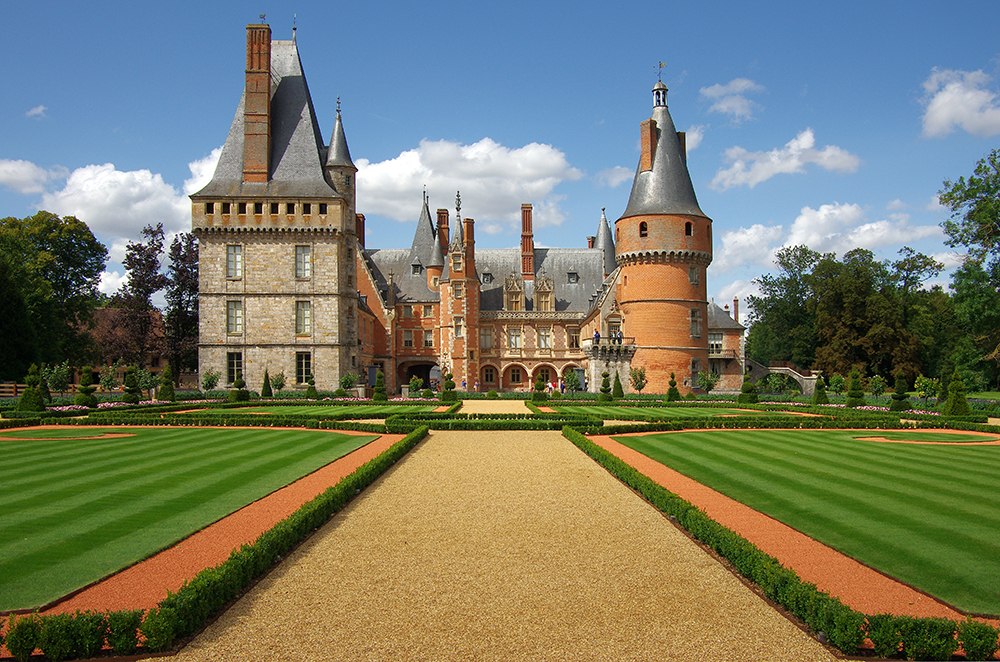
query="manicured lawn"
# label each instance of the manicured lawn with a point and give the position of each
(327, 410)
(75, 510)
(663, 413)
(928, 515)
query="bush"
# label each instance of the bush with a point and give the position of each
(956, 404)
(159, 628)
(690, 396)
(978, 639)
(673, 395)
(57, 636)
(819, 396)
(492, 395)
(855, 394)
(748, 393)
(91, 630)
(538, 393)
(415, 384)
(265, 389)
(617, 392)
(166, 391)
(239, 392)
(884, 634)
(131, 394)
(123, 631)
(85, 392)
(340, 393)
(378, 392)
(605, 395)
(32, 399)
(899, 401)
(23, 636)
(427, 394)
(448, 389)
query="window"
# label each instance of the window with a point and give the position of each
(407, 338)
(428, 338)
(274, 209)
(456, 263)
(209, 207)
(243, 208)
(695, 323)
(695, 369)
(458, 326)
(303, 318)
(303, 367)
(545, 339)
(415, 269)
(434, 281)
(234, 317)
(715, 343)
(258, 208)
(688, 229)
(306, 208)
(459, 290)
(322, 208)
(289, 207)
(694, 274)
(515, 375)
(347, 179)
(643, 229)
(545, 375)
(574, 338)
(544, 301)
(514, 338)
(234, 261)
(487, 278)
(486, 337)
(572, 277)
(407, 311)
(226, 207)
(489, 375)
(303, 262)
(514, 301)
(234, 366)
(428, 311)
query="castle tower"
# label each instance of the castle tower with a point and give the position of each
(663, 246)
(460, 303)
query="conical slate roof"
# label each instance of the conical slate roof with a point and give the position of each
(339, 154)
(605, 242)
(666, 189)
(426, 249)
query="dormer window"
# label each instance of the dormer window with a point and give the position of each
(487, 278)
(415, 269)
(456, 263)
(572, 277)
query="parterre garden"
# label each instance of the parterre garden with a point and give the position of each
(919, 505)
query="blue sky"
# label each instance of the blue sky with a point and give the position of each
(831, 125)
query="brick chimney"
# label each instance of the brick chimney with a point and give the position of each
(527, 244)
(470, 247)
(359, 228)
(443, 230)
(257, 105)
(736, 310)
(647, 141)
(590, 241)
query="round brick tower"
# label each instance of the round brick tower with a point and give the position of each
(663, 246)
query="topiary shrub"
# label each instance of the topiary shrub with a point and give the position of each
(538, 393)
(31, 399)
(131, 385)
(605, 395)
(617, 392)
(928, 638)
(311, 388)
(748, 392)
(978, 639)
(427, 394)
(492, 395)
(378, 393)
(855, 393)
(239, 392)
(956, 405)
(690, 396)
(23, 636)
(265, 389)
(899, 401)
(166, 391)
(819, 396)
(91, 630)
(448, 389)
(340, 393)
(673, 395)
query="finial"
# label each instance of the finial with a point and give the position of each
(659, 73)
(458, 204)
(294, 28)
(338, 104)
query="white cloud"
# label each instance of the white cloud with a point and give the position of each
(950, 259)
(959, 99)
(839, 228)
(38, 112)
(110, 282)
(613, 177)
(740, 289)
(729, 99)
(201, 172)
(935, 205)
(744, 245)
(695, 134)
(752, 168)
(494, 180)
(26, 177)
(896, 204)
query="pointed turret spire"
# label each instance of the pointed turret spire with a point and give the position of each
(605, 242)
(457, 240)
(425, 250)
(339, 155)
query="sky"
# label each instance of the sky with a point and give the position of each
(831, 125)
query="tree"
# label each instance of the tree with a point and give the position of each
(876, 386)
(617, 392)
(31, 399)
(926, 387)
(837, 384)
(638, 378)
(976, 288)
(855, 392)
(210, 379)
(85, 392)
(50, 269)
(132, 391)
(572, 380)
(819, 396)
(707, 380)
(899, 401)
(265, 389)
(166, 391)
(605, 395)
(181, 342)
(956, 404)
(57, 377)
(538, 393)
(278, 381)
(673, 395)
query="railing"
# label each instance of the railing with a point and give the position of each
(791, 366)
(11, 390)
(588, 343)
(721, 353)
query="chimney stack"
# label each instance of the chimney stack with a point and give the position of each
(359, 228)
(736, 310)
(527, 244)
(257, 105)
(470, 247)
(590, 241)
(443, 230)
(647, 141)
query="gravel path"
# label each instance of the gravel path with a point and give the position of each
(500, 546)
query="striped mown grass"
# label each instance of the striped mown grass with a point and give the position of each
(659, 413)
(75, 510)
(327, 410)
(928, 515)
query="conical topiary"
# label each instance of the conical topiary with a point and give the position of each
(31, 399)
(538, 393)
(378, 392)
(265, 389)
(311, 388)
(617, 392)
(85, 391)
(673, 395)
(899, 401)
(956, 405)
(855, 393)
(448, 389)
(605, 395)
(819, 395)
(131, 386)
(166, 385)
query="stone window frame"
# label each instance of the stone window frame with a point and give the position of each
(694, 274)
(303, 367)
(695, 323)
(544, 337)
(514, 337)
(489, 375)
(234, 261)
(428, 338)
(234, 365)
(303, 262)
(486, 337)
(234, 317)
(428, 310)
(459, 323)
(303, 318)
(407, 338)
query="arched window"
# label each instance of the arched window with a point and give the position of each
(688, 229)
(643, 229)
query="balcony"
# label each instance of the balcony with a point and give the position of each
(609, 349)
(718, 353)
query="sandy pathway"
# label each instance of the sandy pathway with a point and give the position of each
(500, 546)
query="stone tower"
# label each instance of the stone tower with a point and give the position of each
(663, 246)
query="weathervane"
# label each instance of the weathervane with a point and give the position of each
(262, 19)
(659, 73)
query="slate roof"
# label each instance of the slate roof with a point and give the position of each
(720, 319)
(297, 149)
(606, 242)
(339, 155)
(666, 189)
(556, 263)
